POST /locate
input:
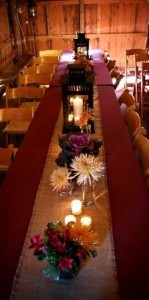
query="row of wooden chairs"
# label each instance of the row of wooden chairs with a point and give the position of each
(114, 71)
(23, 100)
(39, 74)
(139, 140)
(140, 62)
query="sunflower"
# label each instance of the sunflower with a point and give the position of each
(59, 178)
(86, 168)
(84, 236)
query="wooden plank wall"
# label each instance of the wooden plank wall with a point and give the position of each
(112, 25)
(5, 38)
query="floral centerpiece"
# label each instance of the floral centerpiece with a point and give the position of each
(87, 169)
(66, 248)
(75, 144)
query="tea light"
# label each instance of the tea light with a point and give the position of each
(70, 218)
(76, 206)
(70, 117)
(86, 221)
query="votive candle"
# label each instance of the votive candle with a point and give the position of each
(70, 218)
(76, 206)
(86, 221)
(70, 117)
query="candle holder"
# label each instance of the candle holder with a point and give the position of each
(77, 96)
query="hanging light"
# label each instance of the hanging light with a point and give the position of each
(32, 8)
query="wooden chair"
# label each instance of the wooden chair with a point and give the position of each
(127, 99)
(40, 69)
(111, 64)
(116, 76)
(6, 157)
(133, 123)
(139, 59)
(130, 59)
(45, 60)
(144, 97)
(24, 93)
(17, 122)
(35, 79)
(141, 144)
(50, 52)
(16, 114)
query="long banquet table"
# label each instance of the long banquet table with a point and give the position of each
(129, 202)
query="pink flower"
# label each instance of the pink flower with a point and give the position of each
(81, 254)
(36, 242)
(66, 263)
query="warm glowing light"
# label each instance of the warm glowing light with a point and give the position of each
(86, 221)
(76, 206)
(70, 218)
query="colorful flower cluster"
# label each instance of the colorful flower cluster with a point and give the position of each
(65, 247)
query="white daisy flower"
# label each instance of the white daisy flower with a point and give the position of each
(59, 178)
(86, 168)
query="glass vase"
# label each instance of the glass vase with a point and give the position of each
(66, 191)
(88, 193)
(65, 275)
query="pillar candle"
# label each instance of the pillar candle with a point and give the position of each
(77, 107)
(76, 206)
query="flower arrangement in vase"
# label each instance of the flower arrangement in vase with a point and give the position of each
(87, 169)
(67, 248)
(60, 180)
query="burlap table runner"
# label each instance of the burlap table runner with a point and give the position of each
(98, 279)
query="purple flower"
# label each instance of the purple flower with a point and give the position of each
(79, 141)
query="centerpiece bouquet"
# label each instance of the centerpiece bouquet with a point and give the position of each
(73, 145)
(87, 169)
(66, 248)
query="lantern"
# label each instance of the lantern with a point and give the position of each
(77, 96)
(81, 45)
